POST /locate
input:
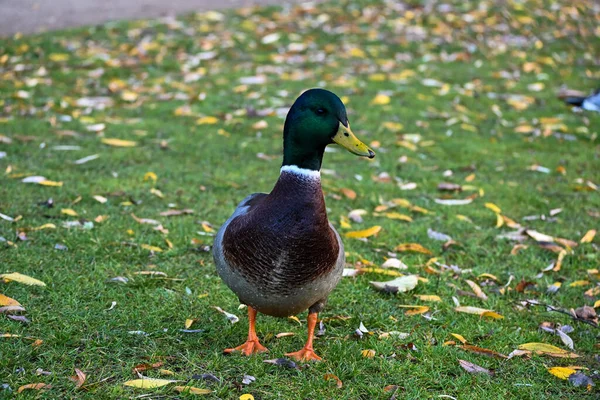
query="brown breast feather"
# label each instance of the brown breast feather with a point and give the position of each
(284, 240)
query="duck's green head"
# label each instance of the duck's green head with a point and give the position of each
(318, 118)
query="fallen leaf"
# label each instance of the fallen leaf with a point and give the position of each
(365, 233)
(349, 193)
(282, 362)
(474, 368)
(148, 383)
(17, 277)
(231, 317)
(547, 349)
(246, 396)
(7, 301)
(428, 297)
(414, 309)
(368, 353)
(398, 285)
(482, 351)
(338, 381)
(118, 142)
(69, 212)
(191, 390)
(415, 247)
(78, 378)
(34, 386)
(460, 338)
(589, 236)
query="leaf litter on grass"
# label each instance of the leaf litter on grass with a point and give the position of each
(459, 99)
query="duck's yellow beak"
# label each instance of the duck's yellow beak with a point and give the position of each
(345, 138)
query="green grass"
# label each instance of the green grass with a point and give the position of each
(211, 172)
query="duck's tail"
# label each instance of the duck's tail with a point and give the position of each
(574, 100)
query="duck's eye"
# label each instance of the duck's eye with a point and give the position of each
(320, 111)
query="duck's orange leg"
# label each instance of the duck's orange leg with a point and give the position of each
(307, 353)
(252, 345)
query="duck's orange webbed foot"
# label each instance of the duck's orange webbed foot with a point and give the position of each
(248, 348)
(252, 345)
(305, 354)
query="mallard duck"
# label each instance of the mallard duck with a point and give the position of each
(278, 252)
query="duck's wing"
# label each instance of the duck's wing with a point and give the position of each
(592, 103)
(242, 208)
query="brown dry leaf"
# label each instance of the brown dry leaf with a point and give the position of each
(416, 247)
(34, 386)
(482, 351)
(547, 349)
(284, 334)
(338, 381)
(523, 285)
(414, 309)
(476, 289)
(349, 193)
(365, 233)
(191, 390)
(78, 378)
(172, 212)
(518, 247)
(145, 367)
(7, 301)
(474, 368)
(17, 277)
(588, 237)
(118, 142)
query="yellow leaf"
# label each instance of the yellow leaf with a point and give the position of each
(188, 323)
(246, 396)
(579, 283)
(383, 271)
(151, 248)
(471, 310)
(428, 297)
(476, 289)
(207, 120)
(589, 236)
(412, 247)
(165, 372)
(50, 183)
(356, 52)
(101, 218)
(365, 233)
(597, 304)
(499, 221)
(489, 276)
(393, 126)
(464, 218)
(128, 95)
(17, 277)
(368, 353)
(68, 211)
(349, 193)
(547, 349)
(460, 338)
(470, 178)
(294, 318)
(150, 176)
(148, 383)
(397, 215)
(562, 372)
(57, 57)
(45, 226)
(381, 99)
(491, 314)
(414, 310)
(157, 193)
(118, 142)
(493, 207)
(192, 390)
(100, 199)
(7, 301)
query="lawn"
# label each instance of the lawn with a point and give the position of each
(139, 138)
